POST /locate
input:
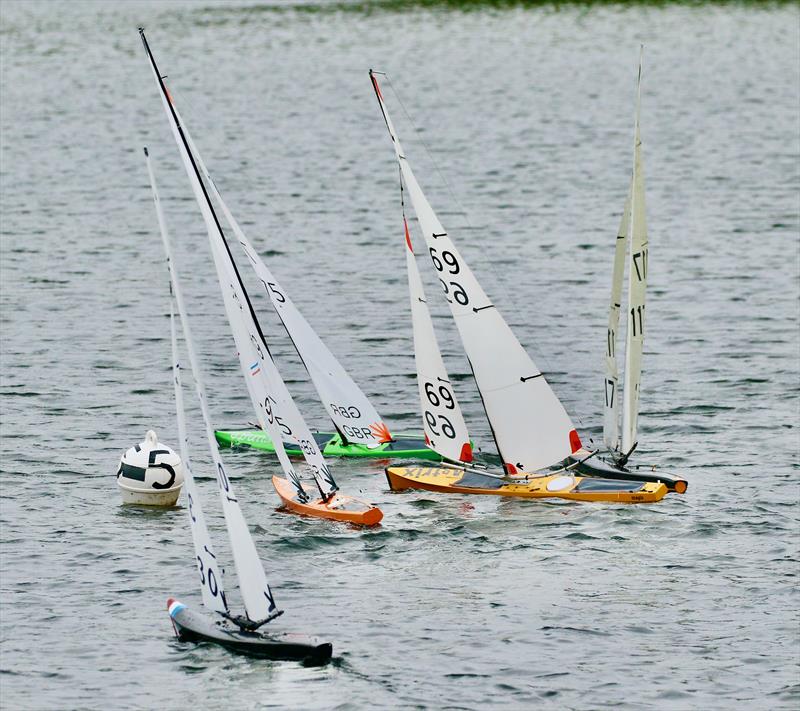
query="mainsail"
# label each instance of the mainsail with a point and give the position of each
(258, 600)
(274, 406)
(352, 413)
(611, 402)
(530, 425)
(445, 429)
(207, 566)
(637, 286)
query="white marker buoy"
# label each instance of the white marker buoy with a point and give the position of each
(150, 473)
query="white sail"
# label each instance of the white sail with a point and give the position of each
(348, 407)
(207, 565)
(637, 285)
(530, 425)
(273, 404)
(611, 381)
(256, 594)
(445, 429)
(276, 410)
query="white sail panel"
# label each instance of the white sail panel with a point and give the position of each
(530, 425)
(611, 381)
(637, 286)
(256, 594)
(445, 429)
(348, 407)
(275, 407)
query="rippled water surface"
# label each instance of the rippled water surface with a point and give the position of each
(524, 146)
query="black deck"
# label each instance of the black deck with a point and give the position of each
(193, 627)
(595, 467)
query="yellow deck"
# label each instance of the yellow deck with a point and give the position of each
(447, 480)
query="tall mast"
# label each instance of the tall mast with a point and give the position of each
(637, 286)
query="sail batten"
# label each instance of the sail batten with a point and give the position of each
(530, 425)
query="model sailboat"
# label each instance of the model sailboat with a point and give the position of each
(631, 243)
(238, 632)
(272, 402)
(531, 428)
(359, 429)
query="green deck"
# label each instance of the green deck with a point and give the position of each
(402, 447)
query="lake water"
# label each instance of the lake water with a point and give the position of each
(524, 144)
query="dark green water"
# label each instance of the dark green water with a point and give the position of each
(453, 602)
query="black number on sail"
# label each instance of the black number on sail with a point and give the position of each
(278, 296)
(611, 339)
(213, 588)
(446, 425)
(284, 427)
(449, 260)
(458, 292)
(443, 395)
(191, 510)
(200, 569)
(610, 388)
(257, 345)
(640, 263)
(637, 311)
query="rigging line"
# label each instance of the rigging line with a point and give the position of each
(499, 279)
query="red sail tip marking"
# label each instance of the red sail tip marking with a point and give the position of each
(381, 432)
(574, 441)
(427, 439)
(510, 469)
(408, 237)
(377, 88)
(466, 452)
